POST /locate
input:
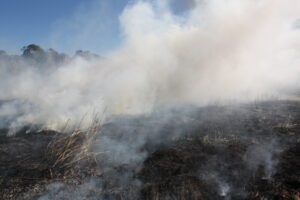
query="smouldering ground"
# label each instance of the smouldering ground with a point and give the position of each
(249, 151)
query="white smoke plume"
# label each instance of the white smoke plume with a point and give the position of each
(216, 51)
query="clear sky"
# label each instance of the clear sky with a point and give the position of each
(65, 25)
(50, 23)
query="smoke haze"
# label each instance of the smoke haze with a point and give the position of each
(216, 51)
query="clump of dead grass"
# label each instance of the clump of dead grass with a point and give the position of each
(69, 153)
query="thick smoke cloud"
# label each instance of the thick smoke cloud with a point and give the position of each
(218, 51)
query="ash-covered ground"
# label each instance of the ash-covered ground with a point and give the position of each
(243, 151)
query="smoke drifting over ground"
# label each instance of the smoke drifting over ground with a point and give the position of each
(216, 51)
(175, 102)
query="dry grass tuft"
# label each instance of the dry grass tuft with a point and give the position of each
(67, 153)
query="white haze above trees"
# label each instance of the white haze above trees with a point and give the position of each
(217, 51)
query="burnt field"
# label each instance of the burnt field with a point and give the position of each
(246, 151)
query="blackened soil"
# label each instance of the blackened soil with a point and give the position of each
(235, 152)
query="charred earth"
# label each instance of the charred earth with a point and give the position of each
(246, 151)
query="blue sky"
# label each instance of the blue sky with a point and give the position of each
(65, 25)
(36, 21)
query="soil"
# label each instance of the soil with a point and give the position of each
(246, 151)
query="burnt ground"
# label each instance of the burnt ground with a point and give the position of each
(249, 151)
